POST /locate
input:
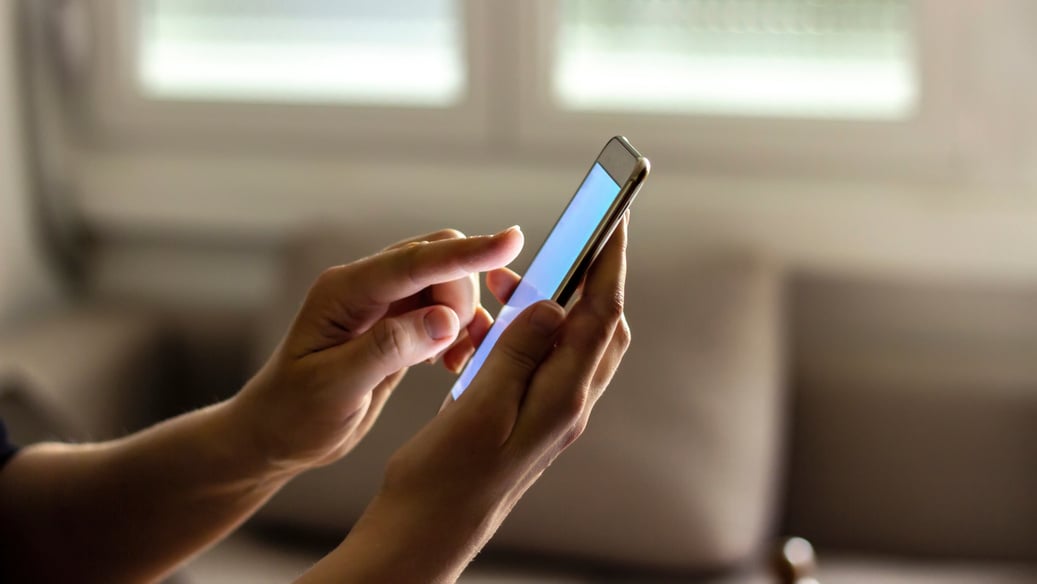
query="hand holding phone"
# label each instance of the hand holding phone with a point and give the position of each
(585, 225)
(447, 489)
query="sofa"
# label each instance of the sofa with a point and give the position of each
(891, 422)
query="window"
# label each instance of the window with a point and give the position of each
(404, 52)
(778, 58)
(863, 88)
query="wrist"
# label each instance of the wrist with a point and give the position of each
(237, 434)
(416, 535)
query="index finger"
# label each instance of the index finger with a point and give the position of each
(398, 273)
(434, 236)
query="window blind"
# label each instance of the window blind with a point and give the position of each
(405, 52)
(783, 58)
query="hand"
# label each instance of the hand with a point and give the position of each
(448, 489)
(359, 329)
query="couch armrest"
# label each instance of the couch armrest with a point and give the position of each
(88, 373)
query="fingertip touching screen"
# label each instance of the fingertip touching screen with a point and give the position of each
(556, 257)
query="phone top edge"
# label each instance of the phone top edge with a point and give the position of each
(629, 147)
(620, 160)
(617, 162)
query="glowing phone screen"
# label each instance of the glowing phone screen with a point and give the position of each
(554, 260)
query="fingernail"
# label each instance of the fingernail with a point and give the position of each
(547, 317)
(438, 324)
(515, 228)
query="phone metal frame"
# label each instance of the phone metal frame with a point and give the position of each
(625, 165)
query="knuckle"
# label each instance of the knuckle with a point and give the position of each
(447, 234)
(575, 432)
(412, 260)
(623, 334)
(577, 405)
(391, 340)
(612, 306)
(434, 236)
(519, 356)
(328, 275)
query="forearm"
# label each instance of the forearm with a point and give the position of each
(131, 509)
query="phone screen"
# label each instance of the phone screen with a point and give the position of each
(556, 257)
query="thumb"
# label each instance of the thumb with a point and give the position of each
(501, 385)
(398, 342)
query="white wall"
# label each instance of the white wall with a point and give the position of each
(26, 285)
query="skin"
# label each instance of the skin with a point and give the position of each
(133, 510)
(448, 489)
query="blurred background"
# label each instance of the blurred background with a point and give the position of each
(833, 265)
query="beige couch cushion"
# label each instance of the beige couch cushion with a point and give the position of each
(675, 470)
(676, 467)
(915, 417)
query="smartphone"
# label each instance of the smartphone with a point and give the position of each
(579, 234)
